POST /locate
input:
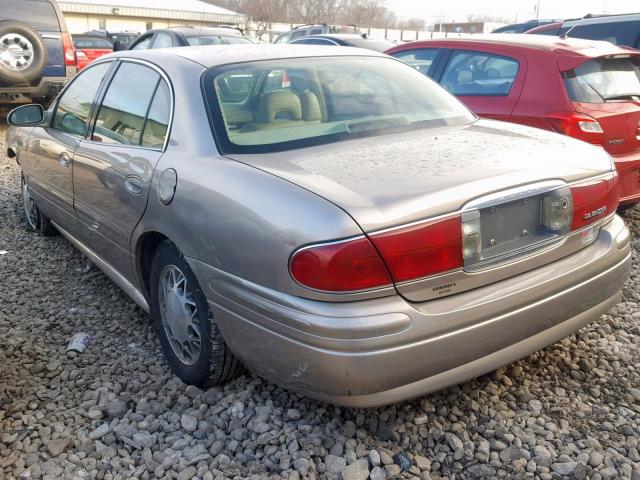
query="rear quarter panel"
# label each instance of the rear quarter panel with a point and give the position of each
(226, 214)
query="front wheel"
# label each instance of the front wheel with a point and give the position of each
(191, 340)
(33, 217)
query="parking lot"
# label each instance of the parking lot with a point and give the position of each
(116, 411)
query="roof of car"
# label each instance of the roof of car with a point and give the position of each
(198, 31)
(580, 46)
(217, 55)
(340, 36)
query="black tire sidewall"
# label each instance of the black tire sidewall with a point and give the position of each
(198, 373)
(39, 51)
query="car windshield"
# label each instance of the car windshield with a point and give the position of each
(601, 80)
(283, 104)
(216, 40)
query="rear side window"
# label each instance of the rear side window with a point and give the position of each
(74, 106)
(157, 123)
(601, 80)
(476, 73)
(420, 58)
(618, 33)
(298, 34)
(38, 14)
(123, 111)
(92, 42)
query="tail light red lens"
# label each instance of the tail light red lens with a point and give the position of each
(593, 200)
(348, 265)
(577, 125)
(423, 249)
(69, 50)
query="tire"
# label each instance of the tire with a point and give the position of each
(214, 363)
(26, 53)
(36, 221)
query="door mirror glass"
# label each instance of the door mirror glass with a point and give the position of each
(26, 115)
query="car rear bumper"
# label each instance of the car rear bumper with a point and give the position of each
(46, 87)
(384, 350)
(628, 167)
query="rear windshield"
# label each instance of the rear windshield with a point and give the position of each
(377, 45)
(92, 42)
(283, 104)
(602, 80)
(37, 13)
(216, 40)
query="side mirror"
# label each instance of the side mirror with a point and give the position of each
(26, 115)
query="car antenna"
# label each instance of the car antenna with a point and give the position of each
(564, 35)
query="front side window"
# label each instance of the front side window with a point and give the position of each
(476, 73)
(601, 80)
(144, 44)
(74, 106)
(281, 104)
(162, 41)
(123, 111)
(421, 58)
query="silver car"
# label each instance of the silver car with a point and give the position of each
(333, 220)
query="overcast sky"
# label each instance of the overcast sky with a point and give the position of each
(511, 9)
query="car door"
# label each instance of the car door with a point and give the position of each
(488, 83)
(114, 164)
(48, 158)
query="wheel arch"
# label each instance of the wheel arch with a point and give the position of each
(146, 247)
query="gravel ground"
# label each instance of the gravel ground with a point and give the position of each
(116, 412)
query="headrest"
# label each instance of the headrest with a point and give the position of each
(280, 103)
(310, 106)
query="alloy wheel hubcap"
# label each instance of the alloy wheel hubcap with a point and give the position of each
(30, 209)
(16, 52)
(180, 315)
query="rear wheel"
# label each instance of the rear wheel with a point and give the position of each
(33, 217)
(191, 340)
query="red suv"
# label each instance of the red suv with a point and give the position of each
(583, 88)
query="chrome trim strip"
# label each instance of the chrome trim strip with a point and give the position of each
(108, 270)
(512, 194)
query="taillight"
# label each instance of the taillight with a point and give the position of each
(593, 200)
(577, 125)
(81, 55)
(347, 265)
(423, 249)
(69, 50)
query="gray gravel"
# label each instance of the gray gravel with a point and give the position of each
(116, 412)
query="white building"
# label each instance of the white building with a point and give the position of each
(143, 15)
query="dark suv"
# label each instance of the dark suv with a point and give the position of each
(37, 57)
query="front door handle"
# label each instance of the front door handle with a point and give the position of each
(64, 159)
(133, 184)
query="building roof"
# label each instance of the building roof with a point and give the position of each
(168, 9)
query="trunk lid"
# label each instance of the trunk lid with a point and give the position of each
(396, 179)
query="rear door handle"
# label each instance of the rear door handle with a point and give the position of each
(64, 159)
(133, 184)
